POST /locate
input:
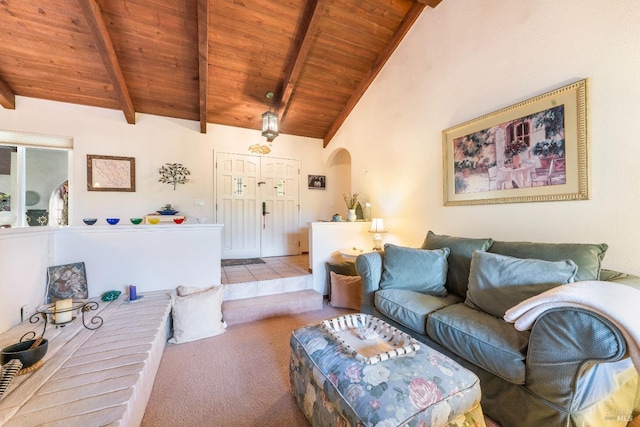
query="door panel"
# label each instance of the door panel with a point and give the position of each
(237, 205)
(281, 193)
(244, 183)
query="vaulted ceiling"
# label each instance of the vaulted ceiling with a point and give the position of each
(211, 61)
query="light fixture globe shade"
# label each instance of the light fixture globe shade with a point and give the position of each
(269, 125)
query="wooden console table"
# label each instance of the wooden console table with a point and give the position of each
(92, 377)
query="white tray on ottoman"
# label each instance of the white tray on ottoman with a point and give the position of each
(369, 339)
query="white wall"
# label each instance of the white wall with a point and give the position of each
(465, 59)
(153, 141)
(24, 256)
(327, 239)
(151, 257)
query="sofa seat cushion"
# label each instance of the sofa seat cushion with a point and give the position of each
(410, 308)
(481, 339)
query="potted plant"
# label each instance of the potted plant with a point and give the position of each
(351, 200)
(465, 166)
(513, 150)
(548, 149)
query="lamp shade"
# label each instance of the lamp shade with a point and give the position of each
(269, 125)
(377, 226)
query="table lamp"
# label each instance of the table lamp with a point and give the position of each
(377, 227)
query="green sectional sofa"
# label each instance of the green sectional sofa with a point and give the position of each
(572, 368)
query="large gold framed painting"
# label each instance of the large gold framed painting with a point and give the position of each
(533, 151)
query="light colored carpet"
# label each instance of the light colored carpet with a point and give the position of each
(237, 379)
(253, 309)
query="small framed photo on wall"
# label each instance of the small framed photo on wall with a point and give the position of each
(317, 182)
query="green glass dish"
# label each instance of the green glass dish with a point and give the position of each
(111, 295)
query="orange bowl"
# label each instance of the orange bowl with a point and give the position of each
(178, 220)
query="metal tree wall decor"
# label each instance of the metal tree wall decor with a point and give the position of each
(174, 174)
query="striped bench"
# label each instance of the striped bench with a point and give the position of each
(92, 377)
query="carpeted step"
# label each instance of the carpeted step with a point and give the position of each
(247, 310)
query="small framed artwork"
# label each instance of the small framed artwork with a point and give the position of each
(317, 182)
(67, 281)
(110, 173)
(533, 151)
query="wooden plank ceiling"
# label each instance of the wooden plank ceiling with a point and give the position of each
(211, 61)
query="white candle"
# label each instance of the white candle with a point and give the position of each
(63, 311)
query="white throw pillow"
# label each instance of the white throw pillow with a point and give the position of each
(197, 314)
(188, 290)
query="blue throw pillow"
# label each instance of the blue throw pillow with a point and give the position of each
(459, 259)
(416, 270)
(499, 282)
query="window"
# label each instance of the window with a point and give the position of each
(34, 179)
(520, 132)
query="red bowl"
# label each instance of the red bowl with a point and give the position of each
(178, 220)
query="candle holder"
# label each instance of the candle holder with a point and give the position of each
(47, 314)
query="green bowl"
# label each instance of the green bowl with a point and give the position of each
(135, 220)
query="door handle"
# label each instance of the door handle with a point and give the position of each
(264, 215)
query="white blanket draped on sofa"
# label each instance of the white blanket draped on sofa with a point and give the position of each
(618, 303)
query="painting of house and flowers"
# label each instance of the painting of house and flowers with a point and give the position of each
(522, 153)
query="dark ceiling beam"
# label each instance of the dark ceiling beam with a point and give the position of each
(405, 25)
(430, 3)
(101, 37)
(307, 30)
(7, 97)
(203, 60)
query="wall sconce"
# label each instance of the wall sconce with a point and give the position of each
(269, 121)
(377, 227)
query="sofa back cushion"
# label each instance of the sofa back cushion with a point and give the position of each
(588, 257)
(416, 270)
(459, 260)
(499, 282)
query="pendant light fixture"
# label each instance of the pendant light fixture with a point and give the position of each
(269, 120)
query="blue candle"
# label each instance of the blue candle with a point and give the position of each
(132, 293)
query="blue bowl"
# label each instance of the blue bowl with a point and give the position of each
(167, 212)
(89, 221)
(113, 221)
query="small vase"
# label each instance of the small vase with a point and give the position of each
(37, 217)
(351, 216)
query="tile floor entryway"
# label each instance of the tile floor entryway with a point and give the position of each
(273, 268)
(276, 275)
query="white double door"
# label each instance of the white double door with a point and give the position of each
(257, 201)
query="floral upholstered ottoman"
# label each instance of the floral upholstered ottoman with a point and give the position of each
(422, 388)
